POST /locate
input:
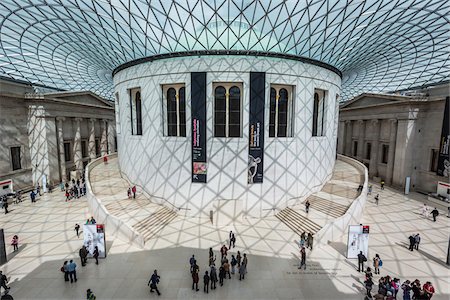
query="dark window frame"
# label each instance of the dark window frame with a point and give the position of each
(16, 162)
(67, 145)
(384, 153)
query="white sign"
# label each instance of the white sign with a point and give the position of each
(358, 240)
(443, 189)
(94, 235)
(6, 187)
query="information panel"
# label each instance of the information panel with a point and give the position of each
(198, 117)
(256, 127)
(94, 235)
(444, 160)
(358, 240)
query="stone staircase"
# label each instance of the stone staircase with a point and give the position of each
(150, 226)
(327, 207)
(297, 222)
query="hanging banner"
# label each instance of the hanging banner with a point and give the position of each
(443, 168)
(256, 127)
(94, 235)
(198, 117)
(358, 240)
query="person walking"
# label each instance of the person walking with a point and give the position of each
(310, 241)
(77, 229)
(232, 238)
(307, 205)
(302, 258)
(195, 278)
(369, 190)
(417, 241)
(38, 189)
(434, 213)
(361, 259)
(368, 283)
(221, 275)
(223, 251)
(213, 276)
(15, 243)
(233, 264)
(83, 255)
(226, 267)
(243, 268)
(105, 159)
(153, 282)
(96, 254)
(412, 242)
(129, 193)
(382, 184)
(90, 295)
(192, 262)
(72, 268)
(377, 263)
(4, 281)
(133, 189)
(425, 210)
(377, 198)
(238, 259)
(206, 282)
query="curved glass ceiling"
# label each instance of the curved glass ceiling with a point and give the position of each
(379, 46)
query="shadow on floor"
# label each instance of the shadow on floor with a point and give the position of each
(340, 247)
(434, 258)
(14, 253)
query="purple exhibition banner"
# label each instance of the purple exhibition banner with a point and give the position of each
(198, 117)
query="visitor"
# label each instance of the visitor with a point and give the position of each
(15, 243)
(67, 195)
(90, 295)
(238, 258)
(96, 254)
(195, 278)
(212, 259)
(412, 242)
(369, 285)
(226, 267)
(417, 241)
(382, 184)
(77, 229)
(105, 159)
(72, 267)
(221, 275)
(61, 186)
(223, 251)
(153, 282)
(406, 287)
(416, 289)
(5, 204)
(361, 259)
(428, 290)
(233, 264)
(243, 268)
(434, 213)
(129, 193)
(310, 241)
(83, 255)
(395, 284)
(307, 205)
(38, 189)
(425, 210)
(92, 221)
(302, 239)
(3, 282)
(213, 276)
(369, 190)
(33, 196)
(232, 239)
(206, 283)
(65, 270)
(377, 263)
(192, 263)
(302, 258)
(377, 198)
(133, 189)
(88, 221)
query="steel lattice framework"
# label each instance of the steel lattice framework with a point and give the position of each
(379, 46)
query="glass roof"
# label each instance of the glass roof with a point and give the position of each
(380, 46)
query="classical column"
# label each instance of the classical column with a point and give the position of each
(104, 138)
(362, 132)
(77, 153)
(391, 156)
(111, 134)
(373, 165)
(91, 146)
(348, 137)
(62, 158)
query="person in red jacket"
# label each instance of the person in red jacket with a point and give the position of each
(428, 289)
(133, 189)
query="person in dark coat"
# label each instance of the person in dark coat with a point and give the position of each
(213, 277)
(206, 282)
(96, 254)
(361, 259)
(77, 229)
(412, 242)
(83, 255)
(434, 213)
(195, 278)
(221, 275)
(153, 282)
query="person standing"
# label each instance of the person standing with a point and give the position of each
(377, 198)
(192, 263)
(412, 242)
(129, 193)
(369, 285)
(5, 204)
(133, 189)
(243, 268)
(224, 251)
(369, 190)
(90, 295)
(377, 263)
(83, 255)
(417, 241)
(434, 213)
(382, 184)
(105, 159)
(72, 267)
(213, 277)
(428, 289)
(233, 264)
(3, 281)
(238, 258)
(195, 278)
(65, 270)
(232, 239)
(15, 243)
(307, 205)
(406, 287)
(361, 259)
(310, 241)
(206, 283)
(77, 229)
(226, 267)
(425, 210)
(96, 254)
(38, 189)
(221, 275)
(153, 282)
(302, 258)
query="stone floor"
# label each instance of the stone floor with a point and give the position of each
(47, 238)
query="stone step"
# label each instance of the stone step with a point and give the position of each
(297, 222)
(327, 207)
(150, 226)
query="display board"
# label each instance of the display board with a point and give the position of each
(94, 235)
(6, 187)
(256, 127)
(198, 117)
(443, 168)
(358, 240)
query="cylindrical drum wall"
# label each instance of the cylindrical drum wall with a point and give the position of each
(155, 127)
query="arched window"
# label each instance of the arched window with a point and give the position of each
(135, 111)
(227, 110)
(175, 107)
(281, 111)
(319, 113)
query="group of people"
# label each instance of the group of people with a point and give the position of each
(306, 240)
(131, 192)
(91, 221)
(74, 189)
(414, 241)
(426, 213)
(389, 287)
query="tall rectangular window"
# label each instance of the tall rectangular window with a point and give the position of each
(385, 154)
(84, 152)
(136, 111)
(67, 151)
(97, 147)
(174, 97)
(117, 114)
(16, 161)
(281, 111)
(355, 148)
(368, 150)
(319, 112)
(227, 109)
(434, 160)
